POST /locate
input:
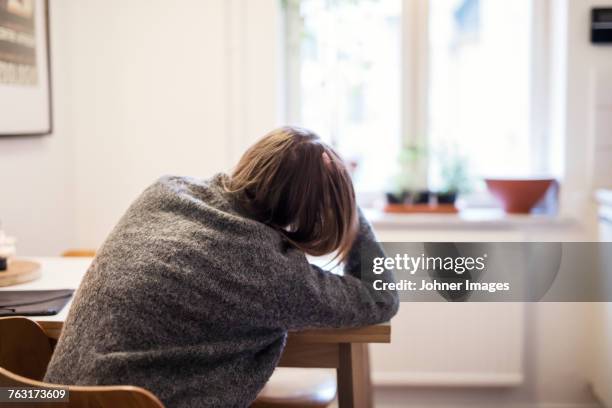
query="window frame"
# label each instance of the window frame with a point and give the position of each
(415, 79)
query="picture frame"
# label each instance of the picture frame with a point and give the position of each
(25, 68)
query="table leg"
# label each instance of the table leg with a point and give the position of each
(354, 386)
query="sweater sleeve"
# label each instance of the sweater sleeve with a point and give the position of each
(310, 297)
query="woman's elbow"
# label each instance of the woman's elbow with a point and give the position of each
(389, 305)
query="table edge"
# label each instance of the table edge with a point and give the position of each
(379, 333)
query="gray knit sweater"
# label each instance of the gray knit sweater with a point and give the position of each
(192, 300)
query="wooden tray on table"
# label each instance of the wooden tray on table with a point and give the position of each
(19, 271)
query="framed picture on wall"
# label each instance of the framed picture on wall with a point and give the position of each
(25, 89)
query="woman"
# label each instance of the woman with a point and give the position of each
(192, 294)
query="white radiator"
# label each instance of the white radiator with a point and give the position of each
(452, 344)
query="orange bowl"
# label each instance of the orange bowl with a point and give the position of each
(518, 196)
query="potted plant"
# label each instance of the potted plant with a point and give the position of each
(455, 177)
(407, 189)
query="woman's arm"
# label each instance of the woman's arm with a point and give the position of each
(312, 297)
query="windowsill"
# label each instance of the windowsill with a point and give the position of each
(466, 219)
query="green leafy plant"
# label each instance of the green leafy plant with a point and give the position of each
(409, 158)
(454, 172)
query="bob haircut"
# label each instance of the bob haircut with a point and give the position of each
(295, 183)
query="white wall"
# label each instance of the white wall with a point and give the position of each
(586, 121)
(37, 173)
(142, 88)
(164, 88)
(601, 364)
(587, 158)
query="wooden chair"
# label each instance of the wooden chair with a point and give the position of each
(25, 352)
(25, 348)
(288, 388)
(79, 253)
(84, 397)
(298, 388)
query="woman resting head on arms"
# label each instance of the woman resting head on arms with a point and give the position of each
(192, 294)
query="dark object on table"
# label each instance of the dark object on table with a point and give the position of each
(518, 196)
(3, 264)
(33, 302)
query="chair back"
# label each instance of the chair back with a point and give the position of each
(25, 348)
(84, 396)
(25, 352)
(79, 253)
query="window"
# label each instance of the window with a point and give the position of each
(441, 83)
(347, 80)
(479, 86)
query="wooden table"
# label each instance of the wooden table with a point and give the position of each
(342, 349)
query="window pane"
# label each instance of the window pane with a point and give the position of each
(349, 74)
(479, 86)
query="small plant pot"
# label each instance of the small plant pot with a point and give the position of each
(421, 197)
(447, 198)
(396, 198)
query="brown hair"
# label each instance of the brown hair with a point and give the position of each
(298, 185)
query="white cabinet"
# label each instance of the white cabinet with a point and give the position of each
(602, 336)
